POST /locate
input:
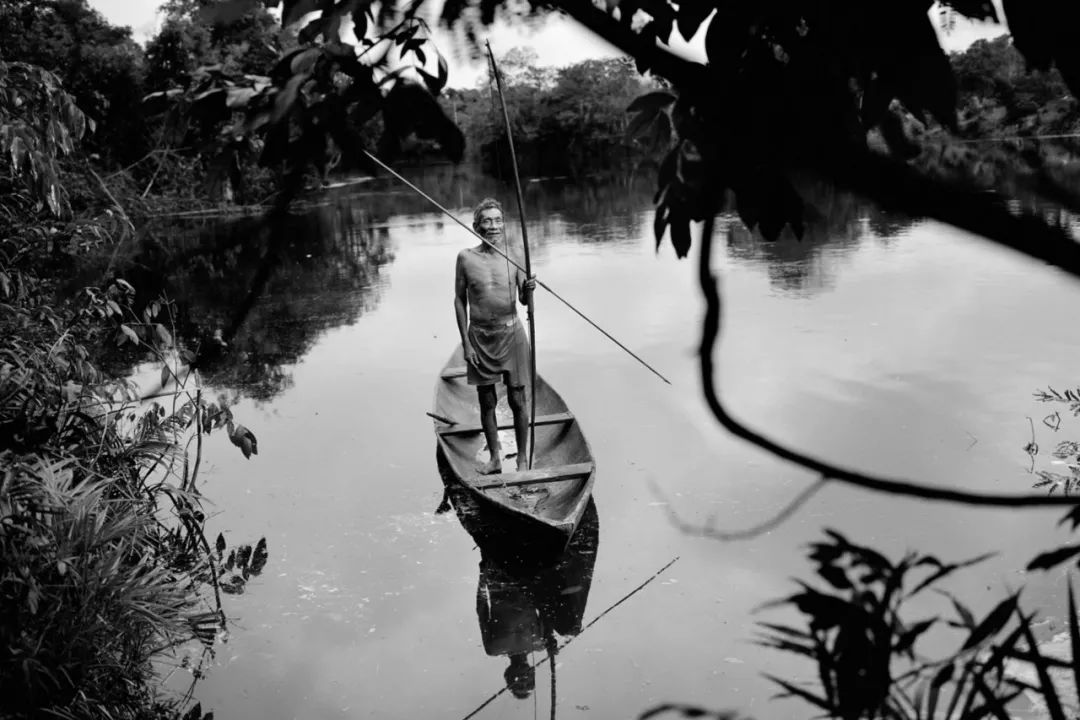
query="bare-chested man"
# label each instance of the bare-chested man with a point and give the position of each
(496, 346)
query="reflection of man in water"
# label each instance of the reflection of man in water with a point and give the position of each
(520, 676)
(495, 343)
(522, 612)
(522, 609)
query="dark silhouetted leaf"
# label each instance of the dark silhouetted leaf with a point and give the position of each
(1073, 517)
(293, 10)
(313, 29)
(825, 611)
(786, 630)
(360, 19)
(651, 102)
(224, 12)
(244, 439)
(220, 545)
(259, 557)
(1074, 638)
(835, 576)
(806, 650)
(966, 617)
(945, 570)
(907, 640)
(994, 705)
(792, 690)
(1049, 692)
(993, 623)
(941, 677)
(286, 97)
(1047, 560)
(680, 236)
(660, 221)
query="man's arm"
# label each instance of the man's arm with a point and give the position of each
(461, 306)
(525, 286)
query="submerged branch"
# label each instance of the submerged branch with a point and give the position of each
(710, 531)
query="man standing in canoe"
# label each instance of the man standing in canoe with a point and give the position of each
(495, 342)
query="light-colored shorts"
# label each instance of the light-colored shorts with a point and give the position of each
(502, 353)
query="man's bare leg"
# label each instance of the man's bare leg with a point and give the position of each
(520, 407)
(488, 400)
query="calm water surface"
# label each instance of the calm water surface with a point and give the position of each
(897, 347)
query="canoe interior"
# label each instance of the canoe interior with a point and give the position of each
(558, 499)
(500, 541)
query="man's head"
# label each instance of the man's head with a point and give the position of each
(488, 219)
(520, 676)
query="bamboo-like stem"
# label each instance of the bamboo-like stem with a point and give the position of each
(528, 262)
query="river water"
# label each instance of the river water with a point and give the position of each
(889, 345)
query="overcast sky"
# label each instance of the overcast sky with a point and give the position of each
(557, 41)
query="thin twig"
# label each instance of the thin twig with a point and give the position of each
(709, 531)
(199, 434)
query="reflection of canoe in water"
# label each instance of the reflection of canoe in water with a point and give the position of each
(523, 607)
(541, 507)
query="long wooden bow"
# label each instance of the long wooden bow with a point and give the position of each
(528, 263)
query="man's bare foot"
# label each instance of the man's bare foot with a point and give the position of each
(522, 463)
(492, 466)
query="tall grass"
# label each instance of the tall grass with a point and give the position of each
(104, 565)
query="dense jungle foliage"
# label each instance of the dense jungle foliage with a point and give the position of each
(104, 565)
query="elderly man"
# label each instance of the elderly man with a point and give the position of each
(496, 345)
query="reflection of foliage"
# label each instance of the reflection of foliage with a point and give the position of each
(835, 222)
(1065, 452)
(326, 276)
(240, 565)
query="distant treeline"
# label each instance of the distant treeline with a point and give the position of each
(565, 121)
(1001, 96)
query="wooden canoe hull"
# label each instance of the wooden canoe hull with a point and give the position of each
(540, 508)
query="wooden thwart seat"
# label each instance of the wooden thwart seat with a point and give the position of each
(535, 477)
(462, 428)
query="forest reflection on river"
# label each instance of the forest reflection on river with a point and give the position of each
(896, 346)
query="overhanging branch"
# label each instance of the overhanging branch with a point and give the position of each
(889, 183)
(709, 335)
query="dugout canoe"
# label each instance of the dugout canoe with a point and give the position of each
(541, 507)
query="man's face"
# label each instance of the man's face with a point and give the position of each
(490, 225)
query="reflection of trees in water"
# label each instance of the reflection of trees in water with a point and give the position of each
(603, 206)
(324, 276)
(836, 222)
